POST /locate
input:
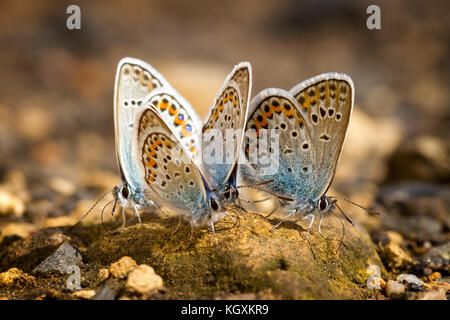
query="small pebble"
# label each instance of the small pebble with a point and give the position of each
(437, 257)
(395, 256)
(105, 293)
(122, 267)
(375, 282)
(16, 278)
(84, 294)
(410, 278)
(434, 275)
(144, 280)
(64, 257)
(427, 271)
(11, 205)
(395, 289)
(63, 186)
(103, 274)
(373, 270)
(20, 229)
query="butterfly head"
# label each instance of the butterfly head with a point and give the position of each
(229, 195)
(209, 213)
(325, 205)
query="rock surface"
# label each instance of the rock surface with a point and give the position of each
(64, 257)
(245, 260)
(144, 280)
(122, 267)
(395, 289)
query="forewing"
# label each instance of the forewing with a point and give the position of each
(136, 81)
(326, 102)
(274, 112)
(224, 125)
(173, 180)
(185, 125)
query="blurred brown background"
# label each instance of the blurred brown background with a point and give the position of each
(56, 86)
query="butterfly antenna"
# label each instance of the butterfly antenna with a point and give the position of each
(103, 210)
(255, 184)
(92, 208)
(269, 192)
(345, 216)
(238, 224)
(368, 210)
(341, 242)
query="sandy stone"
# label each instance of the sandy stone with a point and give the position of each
(375, 282)
(248, 259)
(395, 289)
(143, 280)
(373, 270)
(395, 257)
(16, 278)
(20, 229)
(103, 274)
(63, 186)
(11, 205)
(84, 294)
(434, 291)
(122, 267)
(434, 275)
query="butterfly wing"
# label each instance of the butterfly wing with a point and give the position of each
(326, 102)
(224, 126)
(174, 109)
(171, 178)
(277, 131)
(135, 83)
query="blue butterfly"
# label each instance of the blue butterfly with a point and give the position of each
(310, 122)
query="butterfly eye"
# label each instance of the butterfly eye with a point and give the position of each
(214, 204)
(227, 194)
(125, 192)
(323, 204)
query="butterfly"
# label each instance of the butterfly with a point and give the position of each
(310, 122)
(159, 139)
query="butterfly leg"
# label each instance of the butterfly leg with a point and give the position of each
(320, 223)
(214, 232)
(286, 217)
(178, 226)
(124, 217)
(135, 207)
(309, 217)
(190, 238)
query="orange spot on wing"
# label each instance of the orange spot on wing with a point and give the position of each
(163, 105)
(172, 111)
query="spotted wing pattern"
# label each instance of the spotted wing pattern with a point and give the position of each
(174, 181)
(223, 129)
(311, 120)
(185, 125)
(276, 126)
(327, 102)
(136, 82)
